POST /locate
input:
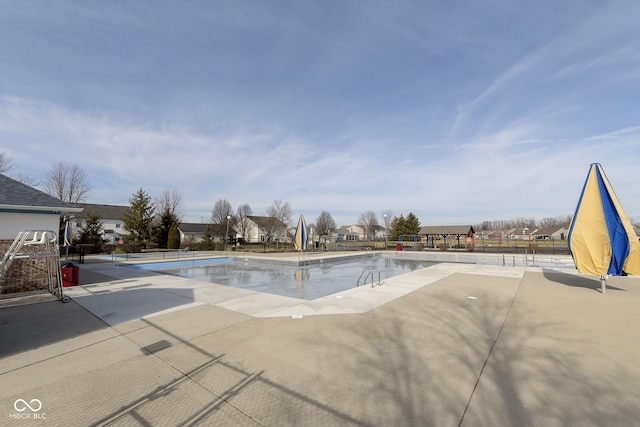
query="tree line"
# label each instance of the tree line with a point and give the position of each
(522, 223)
(155, 222)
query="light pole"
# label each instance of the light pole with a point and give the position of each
(226, 236)
(386, 232)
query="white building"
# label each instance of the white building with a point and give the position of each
(110, 217)
(261, 229)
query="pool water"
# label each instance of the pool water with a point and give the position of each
(306, 282)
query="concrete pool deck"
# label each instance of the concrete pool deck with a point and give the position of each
(452, 344)
(148, 292)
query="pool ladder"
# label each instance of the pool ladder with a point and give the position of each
(369, 272)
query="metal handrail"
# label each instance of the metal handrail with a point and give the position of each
(370, 272)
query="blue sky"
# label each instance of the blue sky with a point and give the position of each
(456, 111)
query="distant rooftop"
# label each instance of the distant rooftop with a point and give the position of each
(103, 211)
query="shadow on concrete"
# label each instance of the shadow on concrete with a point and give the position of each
(31, 326)
(579, 281)
(237, 395)
(123, 304)
(436, 358)
(88, 277)
(466, 350)
(35, 325)
(549, 372)
(420, 357)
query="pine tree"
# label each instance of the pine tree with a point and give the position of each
(398, 226)
(137, 222)
(412, 224)
(162, 227)
(207, 243)
(92, 231)
(403, 226)
(173, 241)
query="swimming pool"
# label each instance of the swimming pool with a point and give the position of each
(306, 282)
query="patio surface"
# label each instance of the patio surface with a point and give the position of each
(449, 345)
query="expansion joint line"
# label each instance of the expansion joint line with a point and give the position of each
(493, 344)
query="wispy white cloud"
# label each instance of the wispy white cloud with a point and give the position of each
(617, 134)
(430, 108)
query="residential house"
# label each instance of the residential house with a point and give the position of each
(347, 234)
(543, 233)
(357, 229)
(194, 232)
(110, 217)
(377, 232)
(261, 229)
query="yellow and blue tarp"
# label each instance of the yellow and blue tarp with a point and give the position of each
(601, 239)
(300, 237)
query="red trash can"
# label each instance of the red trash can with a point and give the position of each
(399, 247)
(70, 275)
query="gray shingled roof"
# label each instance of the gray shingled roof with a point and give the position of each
(192, 227)
(15, 195)
(215, 229)
(447, 229)
(266, 221)
(104, 211)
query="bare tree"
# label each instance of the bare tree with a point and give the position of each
(170, 201)
(557, 221)
(242, 225)
(168, 207)
(281, 211)
(6, 163)
(222, 210)
(325, 225)
(244, 210)
(67, 183)
(223, 215)
(369, 222)
(26, 179)
(280, 215)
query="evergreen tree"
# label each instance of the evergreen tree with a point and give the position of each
(137, 222)
(92, 231)
(173, 241)
(163, 225)
(397, 227)
(168, 205)
(402, 226)
(412, 224)
(207, 243)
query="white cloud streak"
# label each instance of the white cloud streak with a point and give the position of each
(345, 112)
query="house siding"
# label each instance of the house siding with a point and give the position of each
(13, 223)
